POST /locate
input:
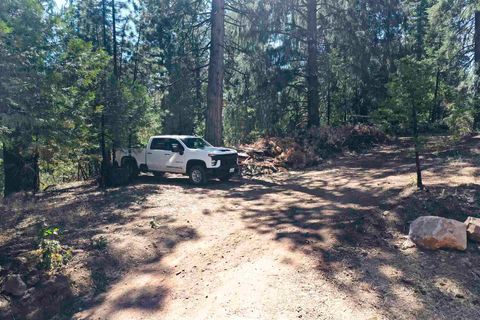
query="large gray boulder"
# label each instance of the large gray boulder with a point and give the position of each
(473, 228)
(433, 233)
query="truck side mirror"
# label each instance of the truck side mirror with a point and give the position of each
(177, 149)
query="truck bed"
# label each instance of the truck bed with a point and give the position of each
(137, 153)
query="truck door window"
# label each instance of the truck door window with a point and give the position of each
(159, 144)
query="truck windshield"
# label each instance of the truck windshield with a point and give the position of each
(196, 143)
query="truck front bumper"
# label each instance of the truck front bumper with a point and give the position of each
(222, 171)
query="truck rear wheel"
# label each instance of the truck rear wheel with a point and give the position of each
(132, 168)
(197, 175)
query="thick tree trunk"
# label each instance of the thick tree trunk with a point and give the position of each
(214, 122)
(20, 174)
(477, 68)
(311, 72)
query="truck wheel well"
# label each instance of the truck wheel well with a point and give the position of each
(192, 163)
(126, 160)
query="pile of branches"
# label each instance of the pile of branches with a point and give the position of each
(305, 148)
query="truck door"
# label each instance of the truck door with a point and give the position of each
(157, 154)
(175, 162)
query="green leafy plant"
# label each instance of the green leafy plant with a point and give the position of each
(100, 243)
(53, 255)
(154, 224)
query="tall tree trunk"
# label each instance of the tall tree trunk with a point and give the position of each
(115, 79)
(433, 114)
(214, 123)
(329, 103)
(104, 25)
(114, 40)
(136, 56)
(104, 162)
(477, 68)
(311, 72)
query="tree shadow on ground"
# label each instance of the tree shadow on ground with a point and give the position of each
(84, 215)
(355, 232)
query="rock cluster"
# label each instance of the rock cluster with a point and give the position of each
(431, 232)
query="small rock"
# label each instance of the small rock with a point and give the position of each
(433, 233)
(407, 244)
(4, 304)
(473, 228)
(14, 285)
(5, 308)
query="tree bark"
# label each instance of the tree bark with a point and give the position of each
(104, 162)
(214, 121)
(115, 81)
(477, 68)
(311, 72)
(329, 103)
(114, 40)
(433, 115)
(20, 174)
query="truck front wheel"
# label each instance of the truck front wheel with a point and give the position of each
(197, 175)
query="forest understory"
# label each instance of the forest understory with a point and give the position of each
(327, 242)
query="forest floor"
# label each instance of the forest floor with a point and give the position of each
(324, 243)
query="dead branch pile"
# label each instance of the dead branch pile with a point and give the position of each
(306, 148)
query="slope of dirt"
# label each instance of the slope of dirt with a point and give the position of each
(325, 243)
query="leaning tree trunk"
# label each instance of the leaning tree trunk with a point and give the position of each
(311, 72)
(477, 68)
(214, 123)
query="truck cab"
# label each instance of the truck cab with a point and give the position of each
(189, 155)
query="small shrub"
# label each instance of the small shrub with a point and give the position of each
(52, 254)
(460, 121)
(100, 243)
(154, 224)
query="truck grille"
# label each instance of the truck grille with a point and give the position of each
(226, 159)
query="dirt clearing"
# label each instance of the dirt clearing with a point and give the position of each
(326, 243)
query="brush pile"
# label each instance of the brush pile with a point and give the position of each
(306, 148)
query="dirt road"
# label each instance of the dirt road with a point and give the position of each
(319, 244)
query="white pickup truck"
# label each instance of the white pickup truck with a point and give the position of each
(189, 155)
